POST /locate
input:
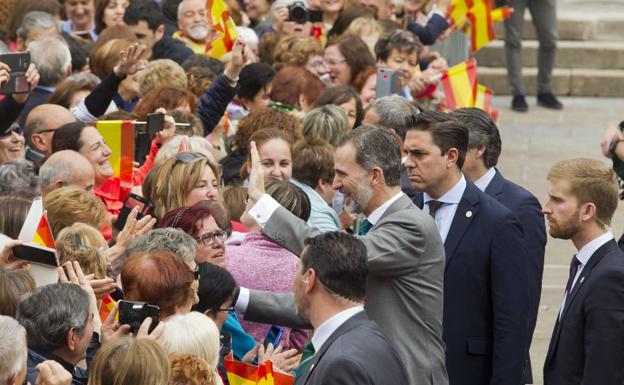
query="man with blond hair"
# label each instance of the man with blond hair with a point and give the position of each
(587, 345)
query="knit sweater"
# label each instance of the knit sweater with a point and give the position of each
(261, 264)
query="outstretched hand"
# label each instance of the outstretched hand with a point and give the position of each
(130, 61)
(255, 190)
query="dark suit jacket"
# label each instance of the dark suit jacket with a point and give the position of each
(356, 353)
(587, 345)
(430, 32)
(529, 212)
(486, 305)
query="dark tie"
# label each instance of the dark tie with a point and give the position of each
(306, 360)
(365, 226)
(433, 207)
(574, 266)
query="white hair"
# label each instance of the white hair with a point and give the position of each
(193, 333)
(181, 5)
(52, 57)
(13, 350)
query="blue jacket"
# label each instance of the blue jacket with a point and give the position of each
(214, 102)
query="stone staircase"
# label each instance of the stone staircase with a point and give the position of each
(590, 54)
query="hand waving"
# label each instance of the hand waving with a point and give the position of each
(130, 61)
(256, 176)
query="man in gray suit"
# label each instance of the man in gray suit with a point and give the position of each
(330, 287)
(404, 250)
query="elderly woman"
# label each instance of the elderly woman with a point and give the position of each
(261, 264)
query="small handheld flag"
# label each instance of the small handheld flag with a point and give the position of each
(43, 235)
(224, 26)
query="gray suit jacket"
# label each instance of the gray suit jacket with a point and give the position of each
(355, 353)
(404, 295)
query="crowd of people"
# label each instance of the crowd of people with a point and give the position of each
(284, 210)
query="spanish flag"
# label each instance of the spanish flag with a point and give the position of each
(224, 25)
(483, 100)
(460, 84)
(108, 303)
(241, 373)
(43, 235)
(476, 18)
(119, 136)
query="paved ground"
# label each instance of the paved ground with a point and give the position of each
(532, 142)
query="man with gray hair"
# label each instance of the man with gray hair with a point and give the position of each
(194, 25)
(18, 179)
(39, 129)
(66, 168)
(35, 25)
(52, 58)
(404, 251)
(398, 114)
(59, 324)
(168, 238)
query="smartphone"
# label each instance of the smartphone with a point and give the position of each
(132, 201)
(36, 254)
(155, 123)
(134, 313)
(274, 336)
(388, 82)
(18, 62)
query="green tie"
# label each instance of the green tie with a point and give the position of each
(306, 360)
(365, 226)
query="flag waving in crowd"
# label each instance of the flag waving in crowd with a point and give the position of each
(225, 28)
(476, 18)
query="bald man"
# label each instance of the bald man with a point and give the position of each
(39, 129)
(66, 168)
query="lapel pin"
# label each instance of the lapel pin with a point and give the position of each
(582, 279)
(468, 214)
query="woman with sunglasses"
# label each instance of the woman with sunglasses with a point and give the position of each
(11, 144)
(181, 181)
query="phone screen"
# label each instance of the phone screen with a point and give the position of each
(36, 254)
(132, 201)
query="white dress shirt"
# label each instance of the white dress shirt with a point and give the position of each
(446, 212)
(485, 179)
(374, 217)
(327, 328)
(583, 256)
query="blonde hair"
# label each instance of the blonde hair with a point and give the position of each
(193, 333)
(84, 244)
(130, 361)
(71, 204)
(173, 180)
(328, 122)
(193, 144)
(162, 72)
(295, 51)
(591, 181)
(188, 369)
(82, 234)
(368, 29)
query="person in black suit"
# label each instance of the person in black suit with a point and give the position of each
(330, 288)
(587, 345)
(486, 304)
(484, 148)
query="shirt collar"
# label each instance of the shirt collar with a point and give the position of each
(485, 179)
(327, 328)
(452, 196)
(585, 253)
(374, 217)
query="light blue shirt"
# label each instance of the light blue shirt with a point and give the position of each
(446, 212)
(67, 27)
(322, 216)
(485, 179)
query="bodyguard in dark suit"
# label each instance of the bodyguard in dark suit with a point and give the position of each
(587, 345)
(485, 281)
(330, 288)
(484, 148)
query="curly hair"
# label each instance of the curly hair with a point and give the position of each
(71, 204)
(295, 51)
(199, 79)
(266, 118)
(187, 369)
(161, 72)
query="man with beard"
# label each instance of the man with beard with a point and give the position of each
(404, 251)
(195, 25)
(486, 294)
(330, 288)
(587, 345)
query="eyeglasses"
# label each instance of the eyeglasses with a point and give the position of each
(318, 63)
(196, 272)
(13, 128)
(187, 157)
(334, 63)
(209, 238)
(44, 131)
(230, 310)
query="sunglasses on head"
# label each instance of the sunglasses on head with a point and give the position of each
(13, 128)
(187, 157)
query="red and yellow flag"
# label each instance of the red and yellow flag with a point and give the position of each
(460, 84)
(108, 303)
(483, 100)
(224, 26)
(477, 18)
(43, 235)
(241, 373)
(119, 136)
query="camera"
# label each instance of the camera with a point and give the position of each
(300, 14)
(134, 313)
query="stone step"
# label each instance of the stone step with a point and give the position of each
(565, 81)
(579, 24)
(570, 54)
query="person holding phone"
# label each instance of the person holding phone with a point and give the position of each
(11, 106)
